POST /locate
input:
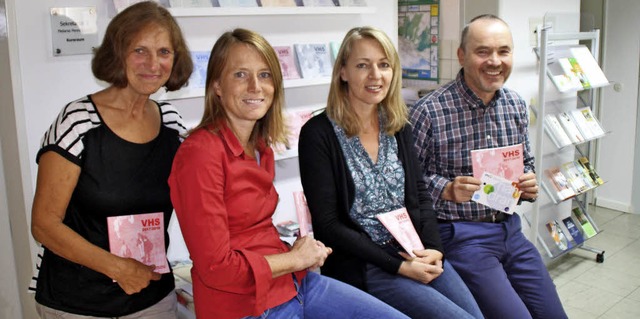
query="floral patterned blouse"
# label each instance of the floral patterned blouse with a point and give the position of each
(379, 187)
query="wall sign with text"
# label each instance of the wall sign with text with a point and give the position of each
(74, 30)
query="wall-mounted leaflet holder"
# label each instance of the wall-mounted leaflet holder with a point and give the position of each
(74, 30)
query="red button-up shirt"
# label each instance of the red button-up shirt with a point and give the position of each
(224, 201)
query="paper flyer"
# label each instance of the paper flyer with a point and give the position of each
(400, 226)
(498, 193)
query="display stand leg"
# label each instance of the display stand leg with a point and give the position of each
(599, 253)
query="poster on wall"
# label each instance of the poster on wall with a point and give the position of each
(418, 38)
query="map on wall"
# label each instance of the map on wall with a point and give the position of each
(418, 38)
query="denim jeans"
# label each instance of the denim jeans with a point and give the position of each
(445, 297)
(322, 297)
(503, 269)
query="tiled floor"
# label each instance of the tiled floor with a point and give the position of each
(603, 290)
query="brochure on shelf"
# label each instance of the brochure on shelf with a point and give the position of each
(123, 4)
(277, 3)
(294, 120)
(573, 68)
(558, 236)
(190, 3)
(572, 77)
(587, 228)
(238, 3)
(589, 66)
(555, 131)
(288, 228)
(587, 123)
(352, 3)
(335, 47)
(575, 233)
(578, 179)
(590, 170)
(314, 60)
(560, 184)
(288, 64)
(199, 75)
(318, 3)
(570, 127)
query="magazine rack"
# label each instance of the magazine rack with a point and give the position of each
(569, 85)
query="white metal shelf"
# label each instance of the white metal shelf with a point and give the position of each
(285, 154)
(247, 11)
(547, 39)
(188, 93)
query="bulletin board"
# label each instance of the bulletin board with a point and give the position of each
(418, 38)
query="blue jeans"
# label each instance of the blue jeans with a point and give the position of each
(502, 268)
(322, 297)
(445, 297)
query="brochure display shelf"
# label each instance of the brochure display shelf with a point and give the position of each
(187, 93)
(247, 11)
(192, 14)
(185, 13)
(567, 131)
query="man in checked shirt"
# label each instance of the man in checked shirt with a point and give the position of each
(503, 270)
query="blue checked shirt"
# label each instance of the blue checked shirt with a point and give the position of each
(450, 122)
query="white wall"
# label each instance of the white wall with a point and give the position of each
(517, 14)
(15, 241)
(9, 301)
(524, 77)
(42, 85)
(449, 40)
(620, 109)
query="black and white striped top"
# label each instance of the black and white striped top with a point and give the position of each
(66, 134)
(117, 177)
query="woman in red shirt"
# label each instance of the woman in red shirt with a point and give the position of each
(222, 189)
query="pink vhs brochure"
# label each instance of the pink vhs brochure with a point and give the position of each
(400, 226)
(506, 162)
(302, 211)
(286, 56)
(140, 237)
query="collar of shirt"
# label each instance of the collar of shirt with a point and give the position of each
(232, 142)
(470, 97)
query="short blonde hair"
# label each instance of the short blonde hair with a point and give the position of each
(271, 127)
(338, 102)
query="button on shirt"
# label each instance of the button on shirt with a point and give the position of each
(449, 123)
